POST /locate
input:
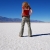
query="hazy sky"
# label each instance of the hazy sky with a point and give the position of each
(13, 8)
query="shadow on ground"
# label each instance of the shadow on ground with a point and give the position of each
(39, 35)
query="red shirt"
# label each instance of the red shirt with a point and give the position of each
(25, 12)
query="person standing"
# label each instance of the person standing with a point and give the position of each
(26, 12)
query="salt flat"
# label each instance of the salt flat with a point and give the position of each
(10, 40)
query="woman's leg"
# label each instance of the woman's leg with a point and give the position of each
(29, 27)
(22, 27)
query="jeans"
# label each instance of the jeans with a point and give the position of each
(25, 19)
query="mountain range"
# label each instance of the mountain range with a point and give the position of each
(5, 19)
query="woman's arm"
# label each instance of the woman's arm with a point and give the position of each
(30, 11)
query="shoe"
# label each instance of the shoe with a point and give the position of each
(30, 36)
(20, 36)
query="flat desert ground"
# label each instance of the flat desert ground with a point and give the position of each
(10, 40)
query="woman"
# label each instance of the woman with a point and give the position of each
(26, 12)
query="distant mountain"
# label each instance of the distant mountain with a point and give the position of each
(36, 21)
(5, 19)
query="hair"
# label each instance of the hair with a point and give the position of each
(25, 4)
